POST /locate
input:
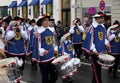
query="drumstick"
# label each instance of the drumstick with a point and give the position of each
(11, 42)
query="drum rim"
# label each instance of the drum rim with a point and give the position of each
(105, 64)
(11, 61)
(60, 59)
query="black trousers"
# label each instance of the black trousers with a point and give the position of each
(96, 70)
(78, 49)
(48, 72)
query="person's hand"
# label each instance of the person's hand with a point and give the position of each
(45, 52)
(93, 52)
(56, 53)
(2, 52)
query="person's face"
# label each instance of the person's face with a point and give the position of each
(3, 24)
(100, 20)
(45, 22)
(51, 23)
(33, 24)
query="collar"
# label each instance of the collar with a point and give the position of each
(66, 41)
(95, 24)
(42, 29)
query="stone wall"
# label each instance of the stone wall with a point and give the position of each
(115, 10)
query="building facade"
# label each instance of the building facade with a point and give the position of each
(115, 10)
(64, 10)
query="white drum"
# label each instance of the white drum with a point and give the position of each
(3, 76)
(106, 60)
(65, 66)
(11, 67)
(69, 68)
(60, 60)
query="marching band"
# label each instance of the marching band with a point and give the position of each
(38, 39)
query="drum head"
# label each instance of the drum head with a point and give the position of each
(61, 59)
(7, 61)
(106, 57)
(106, 60)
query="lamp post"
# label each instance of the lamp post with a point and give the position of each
(75, 6)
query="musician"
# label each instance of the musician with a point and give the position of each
(46, 49)
(31, 29)
(94, 44)
(52, 28)
(16, 37)
(77, 31)
(66, 46)
(114, 37)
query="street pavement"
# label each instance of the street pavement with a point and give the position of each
(83, 75)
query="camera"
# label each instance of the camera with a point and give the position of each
(17, 30)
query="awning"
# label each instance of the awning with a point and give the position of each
(13, 4)
(23, 3)
(34, 2)
(47, 2)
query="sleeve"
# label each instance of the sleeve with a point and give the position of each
(119, 35)
(111, 36)
(81, 28)
(41, 50)
(88, 40)
(35, 48)
(106, 42)
(3, 32)
(72, 30)
(10, 35)
(24, 34)
(92, 48)
(2, 46)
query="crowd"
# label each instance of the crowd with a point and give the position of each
(43, 41)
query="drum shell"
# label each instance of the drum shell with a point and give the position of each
(58, 62)
(69, 67)
(66, 68)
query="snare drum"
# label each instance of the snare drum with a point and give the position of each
(11, 67)
(65, 66)
(69, 68)
(76, 62)
(106, 60)
(60, 60)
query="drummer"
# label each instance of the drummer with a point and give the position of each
(46, 49)
(95, 43)
(66, 46)
(77, 31)
(16, 38)
(115, 46)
